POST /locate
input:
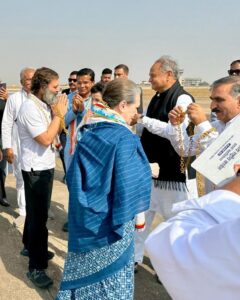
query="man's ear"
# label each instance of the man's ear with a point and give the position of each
(238, 100)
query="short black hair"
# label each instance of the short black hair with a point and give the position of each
(86, 71)
(106, 71)
(124, 67)
(97, 88)
(73, 73)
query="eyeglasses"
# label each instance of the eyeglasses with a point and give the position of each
(234, 72)
(71, 79)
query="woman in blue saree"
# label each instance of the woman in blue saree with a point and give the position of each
(109, 183)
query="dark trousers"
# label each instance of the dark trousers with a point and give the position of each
(38, 190)
(63, 138)
(2, 178)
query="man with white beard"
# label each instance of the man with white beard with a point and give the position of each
(10, 138)
(39, 120)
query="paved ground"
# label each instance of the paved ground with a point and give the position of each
(14, 284)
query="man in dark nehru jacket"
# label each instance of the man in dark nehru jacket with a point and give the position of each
(171, 185)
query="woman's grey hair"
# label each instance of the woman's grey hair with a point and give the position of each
(167, 63)
(233, 80)
(120, 89)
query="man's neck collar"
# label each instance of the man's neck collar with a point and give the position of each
(230, 121)
(168, 87)
(25, 92)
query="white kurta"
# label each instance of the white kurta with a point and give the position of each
(196, 254)
(10, 139)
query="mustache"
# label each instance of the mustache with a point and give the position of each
(216, 110)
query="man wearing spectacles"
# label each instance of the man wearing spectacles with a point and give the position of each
(72, 82)
(233, 71)
(234, 68)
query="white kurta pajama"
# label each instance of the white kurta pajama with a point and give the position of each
(196, 254)
(10, 139)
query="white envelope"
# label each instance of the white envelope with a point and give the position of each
(216, 162)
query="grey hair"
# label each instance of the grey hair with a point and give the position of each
(120, 89)
(23, 71)
(233, 80)
(167, 63)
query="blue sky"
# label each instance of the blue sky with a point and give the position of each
(66, 35)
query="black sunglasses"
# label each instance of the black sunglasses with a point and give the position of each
(71, 79)
(234, 72)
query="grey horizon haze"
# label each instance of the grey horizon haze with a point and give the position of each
(69, 35)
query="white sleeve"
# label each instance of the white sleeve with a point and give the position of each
(33, 122)
(8, 122)
(162, 128)
(155, 126)
(192, 145)
(183, 101)
(192, 247)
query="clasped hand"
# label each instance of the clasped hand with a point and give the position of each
(194, 111)
(77, 103)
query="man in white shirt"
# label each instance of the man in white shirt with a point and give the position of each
(196, 253)
(225, 96)
(39, 120)
(10, 137)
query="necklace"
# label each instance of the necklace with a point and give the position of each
(199, 177)
(183, 164)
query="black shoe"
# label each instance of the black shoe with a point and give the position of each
(4, 202)
(24, 252)
(39, 278)
(65, 227)
(135, 267)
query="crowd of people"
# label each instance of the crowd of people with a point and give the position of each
(117, 181)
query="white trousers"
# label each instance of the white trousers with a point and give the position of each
(18, 173)
(162, 201)
(19, 186)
